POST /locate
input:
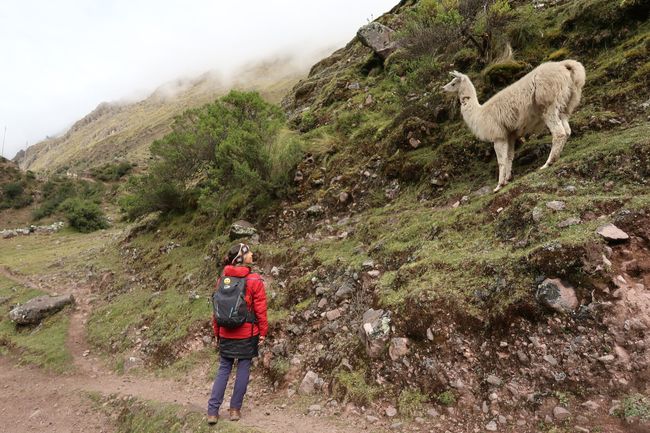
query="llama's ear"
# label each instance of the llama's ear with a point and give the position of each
(456, 74)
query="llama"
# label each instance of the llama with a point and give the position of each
(547, 95)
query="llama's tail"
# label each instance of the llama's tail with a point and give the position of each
(578, 74)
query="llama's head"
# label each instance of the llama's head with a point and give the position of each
(454, 85)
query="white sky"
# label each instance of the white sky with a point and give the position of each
(60, 59)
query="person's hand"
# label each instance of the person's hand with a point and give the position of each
(262, 339)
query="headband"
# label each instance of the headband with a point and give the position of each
(239, 258)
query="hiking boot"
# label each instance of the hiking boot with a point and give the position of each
(212, 419)
(235, 414)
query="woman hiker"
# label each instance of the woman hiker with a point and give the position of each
(240, 325)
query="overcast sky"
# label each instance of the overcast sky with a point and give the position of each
(60, 59)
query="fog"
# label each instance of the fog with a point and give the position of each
(60, 59)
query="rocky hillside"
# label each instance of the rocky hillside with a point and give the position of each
(403, 293)
(123, 131)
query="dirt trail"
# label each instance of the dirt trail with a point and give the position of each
(32, 400)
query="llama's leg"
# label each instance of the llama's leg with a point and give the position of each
(501, 149)
(554, 123)
(510, 157)
(565, 124)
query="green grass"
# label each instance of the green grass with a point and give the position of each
(635, 406)
(42, 345)
(410, 402)
(352, 386)
(167, 315)
(138, 416)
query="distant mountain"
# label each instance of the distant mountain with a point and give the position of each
(124, 130)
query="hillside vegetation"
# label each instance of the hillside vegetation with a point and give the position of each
(370, 193)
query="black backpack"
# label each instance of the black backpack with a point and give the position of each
(229, 304)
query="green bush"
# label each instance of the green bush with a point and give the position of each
(229, 159)
(111, 172)
(14, 194)
(447, 398)
(83, 215)
(58, 189)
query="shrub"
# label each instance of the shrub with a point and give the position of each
(83, 215)
(635, 406)
(111, 172)
(58, 189)
(410, 402)
(447, 398)
(352, 385)
(15, 195)
(228, 159)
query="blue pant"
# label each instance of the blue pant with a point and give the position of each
(221, 381)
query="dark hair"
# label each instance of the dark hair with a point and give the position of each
(232, 254)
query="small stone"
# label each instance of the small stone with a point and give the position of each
(344, 197)
(560, 413)
(374, 273)
(569, 222)
(315, 210)
(550, 359)
(491, 426)
(432, 413)
(502, 419)
(591, 405)
(557, 295)
(493, 380)
(606, 358)
(275, 271)
(397, 426)
(556, 205)
(315, 408)
(322, 303)
(371, 419)
(398, 348)
(414, 142)
(333, 314)
(538, 214)
(391, 411)
(612, 233)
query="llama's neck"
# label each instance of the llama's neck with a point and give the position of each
(470, 108)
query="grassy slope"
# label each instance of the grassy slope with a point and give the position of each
(471, 260)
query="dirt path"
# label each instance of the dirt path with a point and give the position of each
(32, 400)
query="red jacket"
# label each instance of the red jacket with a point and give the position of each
(256, 301)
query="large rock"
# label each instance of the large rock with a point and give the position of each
(308, 384)
(36, 309)
(612, 233)
(557, 295)
(377, 37)
(374, 332)
(241, 229)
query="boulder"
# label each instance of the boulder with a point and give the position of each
(557, 295)
(36, 309)
(374, 331)
(377, 37)
(241, 229)
(612, 233)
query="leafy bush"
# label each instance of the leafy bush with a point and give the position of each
(14, 194)
(59, 188)
(111, 172)
(228, 159)
(83, 215)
